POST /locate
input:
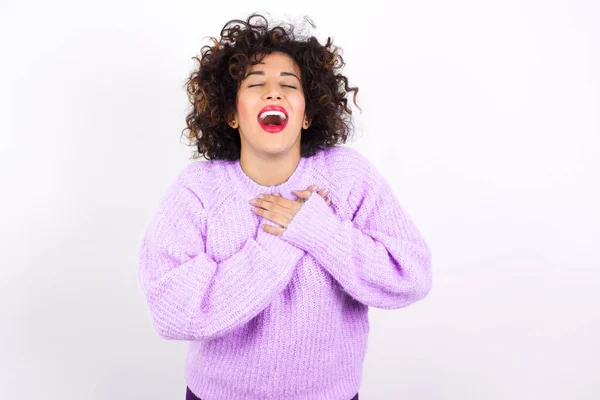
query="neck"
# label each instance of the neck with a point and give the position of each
(269, 171)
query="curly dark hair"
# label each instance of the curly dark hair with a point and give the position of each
(212, 87)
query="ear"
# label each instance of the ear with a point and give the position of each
(306, 123)
(232, 121)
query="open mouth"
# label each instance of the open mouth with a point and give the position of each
(273, 119)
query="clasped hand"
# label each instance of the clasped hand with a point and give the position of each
(281, 210)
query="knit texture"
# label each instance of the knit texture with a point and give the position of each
(279, 317)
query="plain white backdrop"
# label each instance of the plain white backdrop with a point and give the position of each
(483, 115)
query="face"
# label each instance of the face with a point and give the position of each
(274, 83)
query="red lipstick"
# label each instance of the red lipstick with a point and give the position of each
(273, 128)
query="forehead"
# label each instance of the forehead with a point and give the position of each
(276, 61)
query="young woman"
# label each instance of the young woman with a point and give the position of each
(266, 256)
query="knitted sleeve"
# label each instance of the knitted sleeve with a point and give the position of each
(189, 295)
(379, 256)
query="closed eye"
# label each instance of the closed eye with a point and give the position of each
(290, 86)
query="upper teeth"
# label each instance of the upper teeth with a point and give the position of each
(267, 113)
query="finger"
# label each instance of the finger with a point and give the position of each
(273, 229)
(264, 199)
(274, 213)
(305, 194)
(323, 192)
(309, 189)
(278, 204)
(302, 194)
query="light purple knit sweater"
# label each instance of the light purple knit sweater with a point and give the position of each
(279, 317)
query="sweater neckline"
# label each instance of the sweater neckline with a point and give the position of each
(294, 181)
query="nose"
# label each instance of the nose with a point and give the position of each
(272, 92)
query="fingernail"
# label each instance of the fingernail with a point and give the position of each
(325, 191)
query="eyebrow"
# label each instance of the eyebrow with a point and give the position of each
(281, 74)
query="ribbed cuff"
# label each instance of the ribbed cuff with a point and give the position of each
(316, 229)
(279, 251)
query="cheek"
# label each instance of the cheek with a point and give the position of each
(245, 108)
(298, 104)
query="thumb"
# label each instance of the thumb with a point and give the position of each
(305, 194)
(302, 194)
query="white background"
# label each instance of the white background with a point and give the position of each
(484, 116)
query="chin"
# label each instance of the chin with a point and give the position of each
(277, 148)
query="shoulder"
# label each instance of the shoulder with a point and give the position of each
(345, 157)
(349, 165)
(204, 180)
(349, 174)
(202, 171)
(359, 174)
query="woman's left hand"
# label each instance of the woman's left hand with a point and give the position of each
(281, 210)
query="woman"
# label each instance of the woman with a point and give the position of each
(267, 256)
